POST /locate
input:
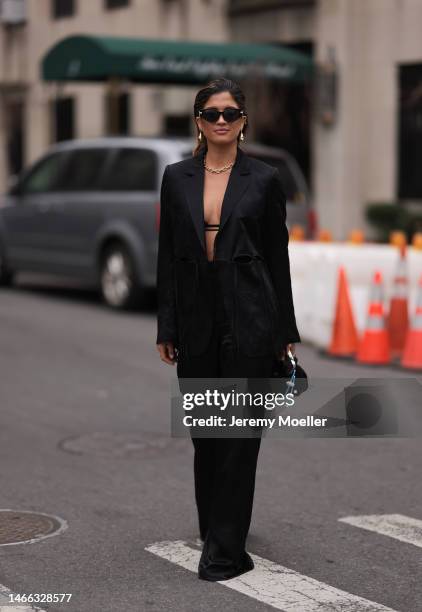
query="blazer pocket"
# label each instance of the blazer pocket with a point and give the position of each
(185, 281)
(253, 323)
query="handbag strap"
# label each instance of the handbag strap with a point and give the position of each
(291, 383)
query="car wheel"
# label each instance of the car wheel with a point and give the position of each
(6, 275)
(119, 287)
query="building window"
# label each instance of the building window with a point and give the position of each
(117, 113)
(15, 137)
(177, 125)
(237, 7)
(112, 4)
(63, 119)
(410, 132)
(62, 8)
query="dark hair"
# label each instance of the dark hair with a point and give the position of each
(211, 88)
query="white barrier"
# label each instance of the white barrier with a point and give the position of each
(314, 270)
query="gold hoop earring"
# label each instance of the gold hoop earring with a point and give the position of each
(200, 136)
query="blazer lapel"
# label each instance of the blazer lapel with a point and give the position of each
(194, 190)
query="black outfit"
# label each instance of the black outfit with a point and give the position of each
(250, 246)
(224, 468)
(230, 317)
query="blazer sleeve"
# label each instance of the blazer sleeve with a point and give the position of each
(276, 240)
(166, 312)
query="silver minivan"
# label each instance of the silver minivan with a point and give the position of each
(89, 210)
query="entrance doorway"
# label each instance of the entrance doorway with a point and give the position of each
(14, 140)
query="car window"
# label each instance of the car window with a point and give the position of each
(291, 188)
(83, 170)
(132, 170)
(45, 175)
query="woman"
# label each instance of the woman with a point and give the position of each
(225, 305)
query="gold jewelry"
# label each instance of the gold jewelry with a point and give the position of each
(218, 170)
(200, 136)
(242, 138)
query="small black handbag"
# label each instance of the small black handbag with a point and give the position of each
(289, 369)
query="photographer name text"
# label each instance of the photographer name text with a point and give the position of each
(281, 421)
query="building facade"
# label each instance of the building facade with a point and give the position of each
(357, 135)
(369, 149)
(34, 114)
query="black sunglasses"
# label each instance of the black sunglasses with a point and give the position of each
(212, 115)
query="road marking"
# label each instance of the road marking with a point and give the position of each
(6, 606)
(397, 526)
(273, 584)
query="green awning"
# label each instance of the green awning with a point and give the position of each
(97, 58)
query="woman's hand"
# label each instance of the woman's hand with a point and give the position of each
(289, 347)
(167, 352)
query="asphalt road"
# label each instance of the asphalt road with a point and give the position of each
(84, 435)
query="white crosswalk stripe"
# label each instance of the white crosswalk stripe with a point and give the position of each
(397, 526)
(273, 584)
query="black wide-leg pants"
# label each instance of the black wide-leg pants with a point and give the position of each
(224, 468)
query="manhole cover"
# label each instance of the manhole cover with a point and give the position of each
(17, 526)
(146, 444)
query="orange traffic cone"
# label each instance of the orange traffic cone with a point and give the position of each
(344, 339)
(398, 317)
(374, 347)
(412, 354)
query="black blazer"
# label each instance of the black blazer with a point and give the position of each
(250, 250)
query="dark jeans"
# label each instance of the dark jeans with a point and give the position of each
(224, 468)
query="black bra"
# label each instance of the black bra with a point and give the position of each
(211, 226)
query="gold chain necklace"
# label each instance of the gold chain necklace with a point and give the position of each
(218, 170)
